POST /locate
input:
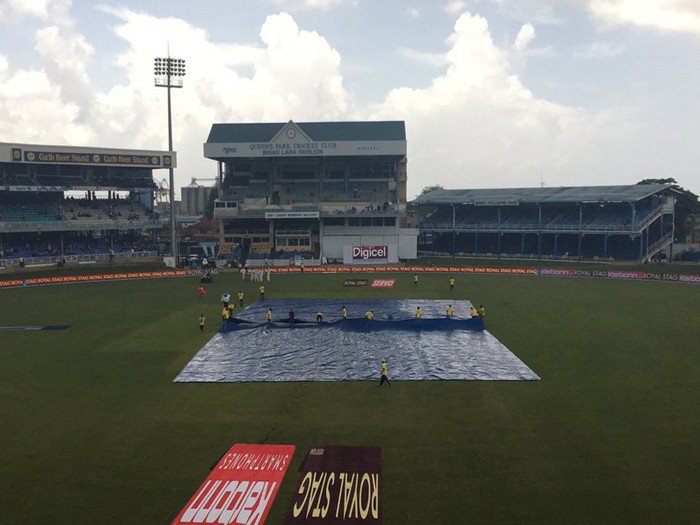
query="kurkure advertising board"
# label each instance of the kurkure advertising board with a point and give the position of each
(241, 488)
(339, 485)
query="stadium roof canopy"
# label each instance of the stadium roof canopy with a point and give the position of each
(316, 131)
(564, 194)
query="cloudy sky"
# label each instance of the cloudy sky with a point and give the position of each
(495, 93)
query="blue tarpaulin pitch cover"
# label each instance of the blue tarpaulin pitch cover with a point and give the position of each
(249, 349)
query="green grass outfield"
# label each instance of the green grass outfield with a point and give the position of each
(93, 430)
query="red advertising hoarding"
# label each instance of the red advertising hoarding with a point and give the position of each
(241, 488)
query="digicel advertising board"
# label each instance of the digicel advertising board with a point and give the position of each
(366, 253)
(241, 488)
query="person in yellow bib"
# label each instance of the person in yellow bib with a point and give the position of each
(231, 308)
(344, 312)
(240, 299)
(385, 374)
(202, 321)
(225, 314)
(369, 315)
(262, 292)
(452, 283)
(473, 311)
(415, 279)
(419, 314)
(482, 311)
(449, 313)
(269, 315)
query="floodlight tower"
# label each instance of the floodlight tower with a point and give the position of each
(168, 74)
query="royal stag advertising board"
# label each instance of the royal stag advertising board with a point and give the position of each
(241, 488)
(338, 484)
(369, 254)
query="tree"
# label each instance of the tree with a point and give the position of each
(428, 189)
(687, 207)
(209, 208)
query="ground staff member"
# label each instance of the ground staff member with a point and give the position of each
(419, 314)
(369, 315)
(262, 292)
(473, 311)
(344, 312)
(202, 320)
(240, 298)
(269, 315)
(385, 374)
(415, 279)
(452, 283)
(224, 314)
(449, 311)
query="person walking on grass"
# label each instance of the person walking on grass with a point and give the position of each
(415, 279)
(385, 374)
(202, 321)
(452, 283)
(240, 298)
(261, 289)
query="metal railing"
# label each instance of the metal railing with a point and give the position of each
(79, 225)
(54, 260)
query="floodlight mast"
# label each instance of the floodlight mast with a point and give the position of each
(168, 74)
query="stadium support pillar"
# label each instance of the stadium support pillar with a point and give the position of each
(61, 241)
(641, 246)
(673, 230)
(539, 238)
(580, 230)
(454, 232)
(556, 238)
(634, 216)
(476, 242)
(646, 249)
(605, 246)
(522, 244)
(498, 238)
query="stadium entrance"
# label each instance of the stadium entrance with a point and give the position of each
(60, 203)
(309, 191)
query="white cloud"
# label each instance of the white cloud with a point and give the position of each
(413, 12)
(665, 15)
(423, 57)
(524, 37)
(42, 9)
(454, 7)
(314, 4)
(478, 125)
(599, 50)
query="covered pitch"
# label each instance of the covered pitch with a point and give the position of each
(431, 348)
